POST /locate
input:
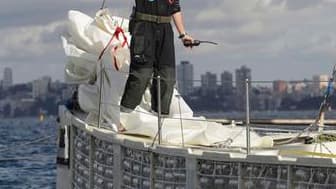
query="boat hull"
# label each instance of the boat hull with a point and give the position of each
(102, 159)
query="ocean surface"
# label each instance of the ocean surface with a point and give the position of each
(28, 147)
(27, 153)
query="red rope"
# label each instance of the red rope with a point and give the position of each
(116, 33)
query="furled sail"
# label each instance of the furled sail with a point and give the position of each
(97, 50)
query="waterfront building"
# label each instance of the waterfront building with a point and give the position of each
(41, 87)
(242, 74)
(7, 78)
(208, 83)
(226, 82)
(56, 85)
(299, 90)
(280, 87)
(185, 77)
(319, 84)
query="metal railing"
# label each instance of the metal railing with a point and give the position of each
(158, 136)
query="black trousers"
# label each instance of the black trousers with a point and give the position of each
(152, 55)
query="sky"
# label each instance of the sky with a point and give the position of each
(277, 39)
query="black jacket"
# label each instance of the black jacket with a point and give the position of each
(158, 7)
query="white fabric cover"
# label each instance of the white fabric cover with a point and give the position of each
(83, 44)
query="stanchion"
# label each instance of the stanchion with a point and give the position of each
(248, 141)
(100, 93)
(159, 107)
(181, 120)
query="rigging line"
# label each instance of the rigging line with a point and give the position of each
(103, 5)
(30, 158)
(315, 148)
(157, 133)
(9, 148)
(139, 75)
(275, 130)
(323, 145)
(290, 81)
(171, 118)
(256, 128)
(195, 80)
(229, 139)
(321, 109)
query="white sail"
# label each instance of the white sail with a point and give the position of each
(86, 39)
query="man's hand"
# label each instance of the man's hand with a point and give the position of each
(187, 39)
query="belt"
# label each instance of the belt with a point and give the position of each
(152, 18)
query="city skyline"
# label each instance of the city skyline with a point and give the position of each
(278, 39)
(197, 80)
(210, 83)
(213, 93)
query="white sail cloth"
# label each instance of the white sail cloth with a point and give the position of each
(83, 44)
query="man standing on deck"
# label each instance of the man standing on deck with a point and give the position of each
(152, 52)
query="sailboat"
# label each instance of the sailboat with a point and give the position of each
(178, 151)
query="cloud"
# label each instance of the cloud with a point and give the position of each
(296, 35)
(28, 42)
(282, 34)
(253, 23)
(29, 12)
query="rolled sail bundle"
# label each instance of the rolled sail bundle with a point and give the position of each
(97, 50)
(84, 43)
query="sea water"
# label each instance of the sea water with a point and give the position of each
(28, 153)
(28, 147)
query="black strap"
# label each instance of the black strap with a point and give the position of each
(152, 18)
